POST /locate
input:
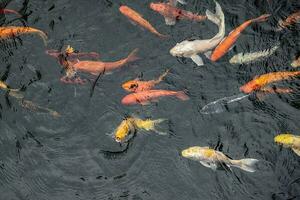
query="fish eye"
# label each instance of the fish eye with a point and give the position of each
(133, 86)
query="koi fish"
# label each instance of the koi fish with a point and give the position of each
(97, 67)
(296, 62)
(137, 18)
(191, 49)
(137, 85)
(289, 141)
(34, 107)
(290, 20)
(246, 58)
(8, 11)
(212, 159)
(14, 31)
(145, 97)
(12, 92)
(171, 13)
(261, 81)
(130, 125)
(229, 41)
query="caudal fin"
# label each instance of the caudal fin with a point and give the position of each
(43, 36)
(182, 96)
(217, 18)
(261, 18)
(247, 164)
(133, 56)
(156, 122)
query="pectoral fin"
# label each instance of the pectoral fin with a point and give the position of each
(205, 164)
(208, 54)
(170, 21)
(297, 151)
(197, 59)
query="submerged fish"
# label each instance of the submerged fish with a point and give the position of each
(263, 80)
(212, 159)
(137, 18)
(130, 125)
(171, 13)
(229, 41)
(96, 67)
(34, 107)
(9, 11)
(290, 20)
(296, 62)
(147, 96)
(191, 49)
(245, 58)
(289, 141)
(15, 31)
(137, 85)
(12, 92)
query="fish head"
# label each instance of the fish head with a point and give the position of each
(250, 87)
(158, 7)
(192, 152)
(130, 86)
(130, 100)
(123, 131)
(182, 49)
(284, 139)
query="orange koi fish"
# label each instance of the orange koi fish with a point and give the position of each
(138, 85)
(265, 79)
(97, 67)
(137, 18)
(290, 20)
(171, 13)
(8, 11)
(14, 31)
(229, 41)
(145, 97)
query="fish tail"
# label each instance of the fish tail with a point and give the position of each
(43, 36)
(133, 56)
(261, 18)
(182, 96)
(155, 123)
(161, 77)
(218, 17)
(247, 164)
(162, 36)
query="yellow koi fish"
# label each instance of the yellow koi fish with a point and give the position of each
(130, 125)
(211, 158)
(289, 141)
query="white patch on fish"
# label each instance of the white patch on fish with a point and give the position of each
(245, 58)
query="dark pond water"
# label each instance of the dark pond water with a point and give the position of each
(71, 157)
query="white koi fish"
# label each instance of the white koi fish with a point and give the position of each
(245, 58)
(191, 49)
(211, 158)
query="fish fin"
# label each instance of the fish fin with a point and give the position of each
(159, 132)
(261, 18)
(215, 18)
(170, 21)
(43, 36)
(133, 56)
(247, 164)
(208, 54)
(183, 2)
(205, 164)
(182, 96)
(297, 151)
(145, 103)
(260, 96)
(197, 59)
(161, 77)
